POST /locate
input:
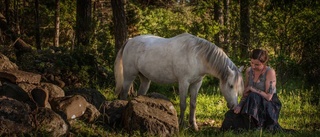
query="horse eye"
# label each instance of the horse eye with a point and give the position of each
(231, 86)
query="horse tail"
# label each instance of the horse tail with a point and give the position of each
(118, 71)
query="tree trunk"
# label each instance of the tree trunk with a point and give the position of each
(182, 2)
(7, 11)
(244, 28)
(83, 24)
(120, 23)
(120, 28)
(192, 2)
(37, 24)
(226, 25)
(57, 24)
(218, 18)
(16, 17)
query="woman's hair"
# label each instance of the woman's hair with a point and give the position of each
(260, 55)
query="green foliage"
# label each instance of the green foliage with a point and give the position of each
(288, 32)
(171, 21)
(211, 84)
(79, 68)
(162, 22)
(67, 22)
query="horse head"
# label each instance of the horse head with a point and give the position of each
(232, 86)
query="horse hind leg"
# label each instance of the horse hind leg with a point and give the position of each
(144, 85)
(127, 83)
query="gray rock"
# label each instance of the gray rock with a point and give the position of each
(6, 64)
(16, 118)
(41, 97)
(112, 111)
(73, 107)
(93, 96)
(50, 123)
(152, 116)
(91, 114)
(18, 76)
(27, 87)
(14, 91)
(53, 90)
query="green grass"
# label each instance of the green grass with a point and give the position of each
(298, 113)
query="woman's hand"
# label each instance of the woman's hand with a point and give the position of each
(247, 90)
(254, 90)
(237, 109)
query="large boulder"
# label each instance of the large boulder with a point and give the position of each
(73, 107)
(16, 117)
(6, 64)
(93, 96)
(91, 114)
(42, 93)
(54, 91)
(152, 116)
(27, 87)
(111, 112)
(50, 123)
(14, 91)
(70, 106)
(41, 97)
(18, 76)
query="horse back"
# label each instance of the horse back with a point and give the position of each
(163, 60)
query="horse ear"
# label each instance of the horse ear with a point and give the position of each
(241, 68)
(230, 71)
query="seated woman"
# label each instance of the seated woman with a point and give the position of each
(259, 107)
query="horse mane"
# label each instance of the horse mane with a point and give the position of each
(213, 55)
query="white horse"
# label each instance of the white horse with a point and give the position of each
(185, 59)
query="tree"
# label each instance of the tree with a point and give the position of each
(226, 24)
(218, 17)
(10, 26)
(244, 28)
(120, 27)
(83, 23)
(120, 23)
(37, 24)
(57, 24)
(7, 11)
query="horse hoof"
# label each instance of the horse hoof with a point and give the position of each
(196, 129)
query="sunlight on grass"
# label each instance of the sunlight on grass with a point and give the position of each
(297, 113)
(210, 107)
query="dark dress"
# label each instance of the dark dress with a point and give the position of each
(256, 112)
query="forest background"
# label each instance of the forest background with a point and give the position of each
(77, 41)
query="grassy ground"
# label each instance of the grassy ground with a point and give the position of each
(298, 114)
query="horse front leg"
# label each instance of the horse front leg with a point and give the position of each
(183, 90)
(194, 88)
